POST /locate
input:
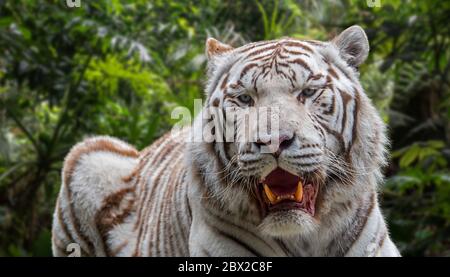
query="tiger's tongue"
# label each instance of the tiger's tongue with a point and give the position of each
(282, 182)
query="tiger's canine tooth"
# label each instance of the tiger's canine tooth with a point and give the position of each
(272, 198)
(299, 192)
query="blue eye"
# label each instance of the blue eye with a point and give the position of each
(307, 92)
(245, 98)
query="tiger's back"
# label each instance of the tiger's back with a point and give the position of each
(116, 201)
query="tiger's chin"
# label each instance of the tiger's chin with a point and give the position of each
(288, 223)
(289, 202)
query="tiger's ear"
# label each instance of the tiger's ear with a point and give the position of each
(353, 45)
(215, 48)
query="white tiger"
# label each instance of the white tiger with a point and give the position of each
(316, 195)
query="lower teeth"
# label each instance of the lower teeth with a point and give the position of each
(274, 199)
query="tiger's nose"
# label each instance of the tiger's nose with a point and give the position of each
(284, 141)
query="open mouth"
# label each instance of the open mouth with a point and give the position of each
(282, 190)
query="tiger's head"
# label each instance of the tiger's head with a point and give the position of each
(324, 142)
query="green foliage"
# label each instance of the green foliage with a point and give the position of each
(423, 154)
(119, 67)
(421, 190)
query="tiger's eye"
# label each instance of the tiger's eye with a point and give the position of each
(307, 92)
(245, 98)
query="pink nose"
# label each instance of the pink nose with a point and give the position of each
(284, 142)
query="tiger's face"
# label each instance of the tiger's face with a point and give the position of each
(302, 127)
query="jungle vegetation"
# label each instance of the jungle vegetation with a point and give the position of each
(116, 67)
